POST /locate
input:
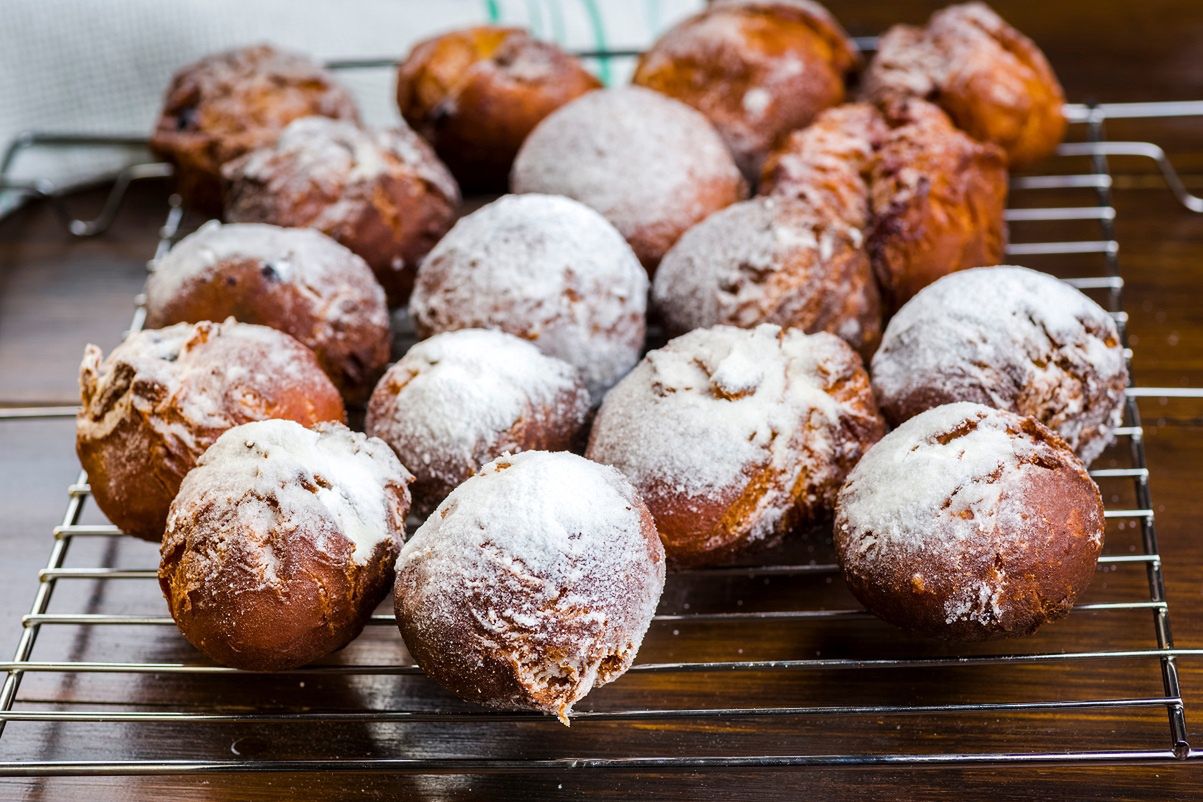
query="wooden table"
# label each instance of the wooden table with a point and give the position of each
(55, 295)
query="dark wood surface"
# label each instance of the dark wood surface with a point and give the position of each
(56, 295)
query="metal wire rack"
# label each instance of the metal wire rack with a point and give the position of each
(801, 627)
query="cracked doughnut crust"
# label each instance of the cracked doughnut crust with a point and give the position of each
(282, 541)
(968, 522)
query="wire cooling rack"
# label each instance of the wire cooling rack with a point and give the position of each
(745, 666)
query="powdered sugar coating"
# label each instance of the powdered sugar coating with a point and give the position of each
(299, 255)
(282, 541)
(893, 491)
(969, 521)
(544, 268)
(733, 436)
(770, 260)
(180, 361)
(294, 279)
(1010, 338)
(533, 583)
(462, 398)
(650, 165)
(164, 395)
(279, 474)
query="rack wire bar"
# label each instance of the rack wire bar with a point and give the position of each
(48, 575)
(1088, 171)
(491, 717)
(76, 768)
(48, 411)
(112, 619)
(698, 667)
(1161, 621)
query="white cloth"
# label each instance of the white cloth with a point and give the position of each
(101, 66)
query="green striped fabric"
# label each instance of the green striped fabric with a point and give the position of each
(594, 25)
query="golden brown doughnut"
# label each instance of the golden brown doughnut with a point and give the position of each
(826, 164)
(771, 260)
(282, 541)
(159, 399)
(231, 102)
(1010, 338)
(293, 279)
(476, 93)
(937, 199)
(532, 584)
(757, 69)
(736, 437)
(649, 164)
(968, 522)
(462, 398)
(930, 198)
(991, 79)
(383, 193)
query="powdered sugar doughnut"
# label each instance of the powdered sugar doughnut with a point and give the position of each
(546, 269)
(382, 193)
(1011, 338)
(651, 165)
(532, 584)
(163, 396)
(771, 260)
(461, 398)
(292, 279)
(231, 102)
(968, 522)
(282, 541)
(734, 437)
(757, 70)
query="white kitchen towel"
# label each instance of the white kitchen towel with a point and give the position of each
(101, 66)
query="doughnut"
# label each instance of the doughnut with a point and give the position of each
(152, 407)
(991, 79)
(770, 260)
(651, 165)
(930, 197)
(533, 583)
(757, 70)
(968, 522)
(826, 164)
(737, 437)
(1010, 338)
(231, 102)
(281, 542)
(544, 268)
(476, 93)
(938, 200)
(381, 193)
(292, 279)
(462, 398)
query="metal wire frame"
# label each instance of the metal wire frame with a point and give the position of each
(1096, 148)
